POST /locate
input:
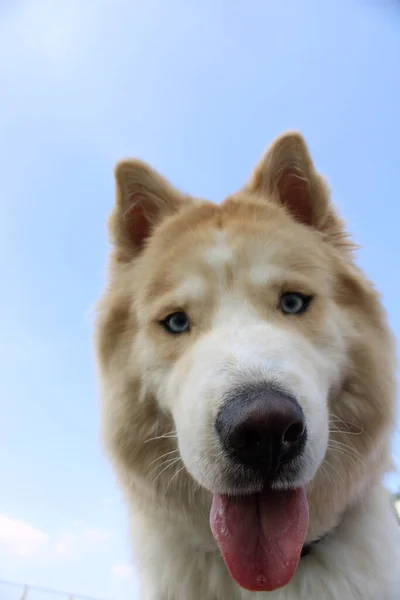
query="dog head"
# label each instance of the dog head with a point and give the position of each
(244, 336)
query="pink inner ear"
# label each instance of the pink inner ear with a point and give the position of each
(138, 225)
(294, 192)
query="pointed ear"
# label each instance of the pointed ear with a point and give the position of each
(287, 175)
(143, 199)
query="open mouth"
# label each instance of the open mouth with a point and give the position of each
(262, 431)
(261, 536)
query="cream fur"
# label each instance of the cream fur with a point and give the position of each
(226, 266)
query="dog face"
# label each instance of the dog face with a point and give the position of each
(244, 316)
(244, 327)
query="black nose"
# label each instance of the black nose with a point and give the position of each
(262, 428)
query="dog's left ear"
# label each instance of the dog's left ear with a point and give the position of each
(286, 174)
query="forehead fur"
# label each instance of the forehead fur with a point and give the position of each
(225, 240)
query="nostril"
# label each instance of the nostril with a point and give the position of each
(293, 433)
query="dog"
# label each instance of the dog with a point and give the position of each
(248, 393)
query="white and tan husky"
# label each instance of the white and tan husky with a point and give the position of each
(248, 390)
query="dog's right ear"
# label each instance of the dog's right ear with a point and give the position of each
(143, 199)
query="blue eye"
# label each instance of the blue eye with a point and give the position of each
(293, 303)
(177, 323)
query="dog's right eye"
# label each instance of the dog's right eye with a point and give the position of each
(176, 323)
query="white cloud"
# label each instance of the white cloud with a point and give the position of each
(78, 540)
(19, 538)
(122, 572)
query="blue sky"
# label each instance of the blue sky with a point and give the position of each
(198, 89)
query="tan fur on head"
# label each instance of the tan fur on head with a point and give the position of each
(226, 265)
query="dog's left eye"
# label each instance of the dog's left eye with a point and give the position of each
(176, 323)
(293, 303)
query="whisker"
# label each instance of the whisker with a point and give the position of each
(171, 434)
(326, 472)
(173, 477)
(347, 424)
(336, 429)
(345, 447)
(164, 462)
(344, 451)
(163, 456)
(171, 462)
(334, 468)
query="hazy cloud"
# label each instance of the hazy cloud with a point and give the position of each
(20, 538)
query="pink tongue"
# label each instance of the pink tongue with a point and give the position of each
(261, 536)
